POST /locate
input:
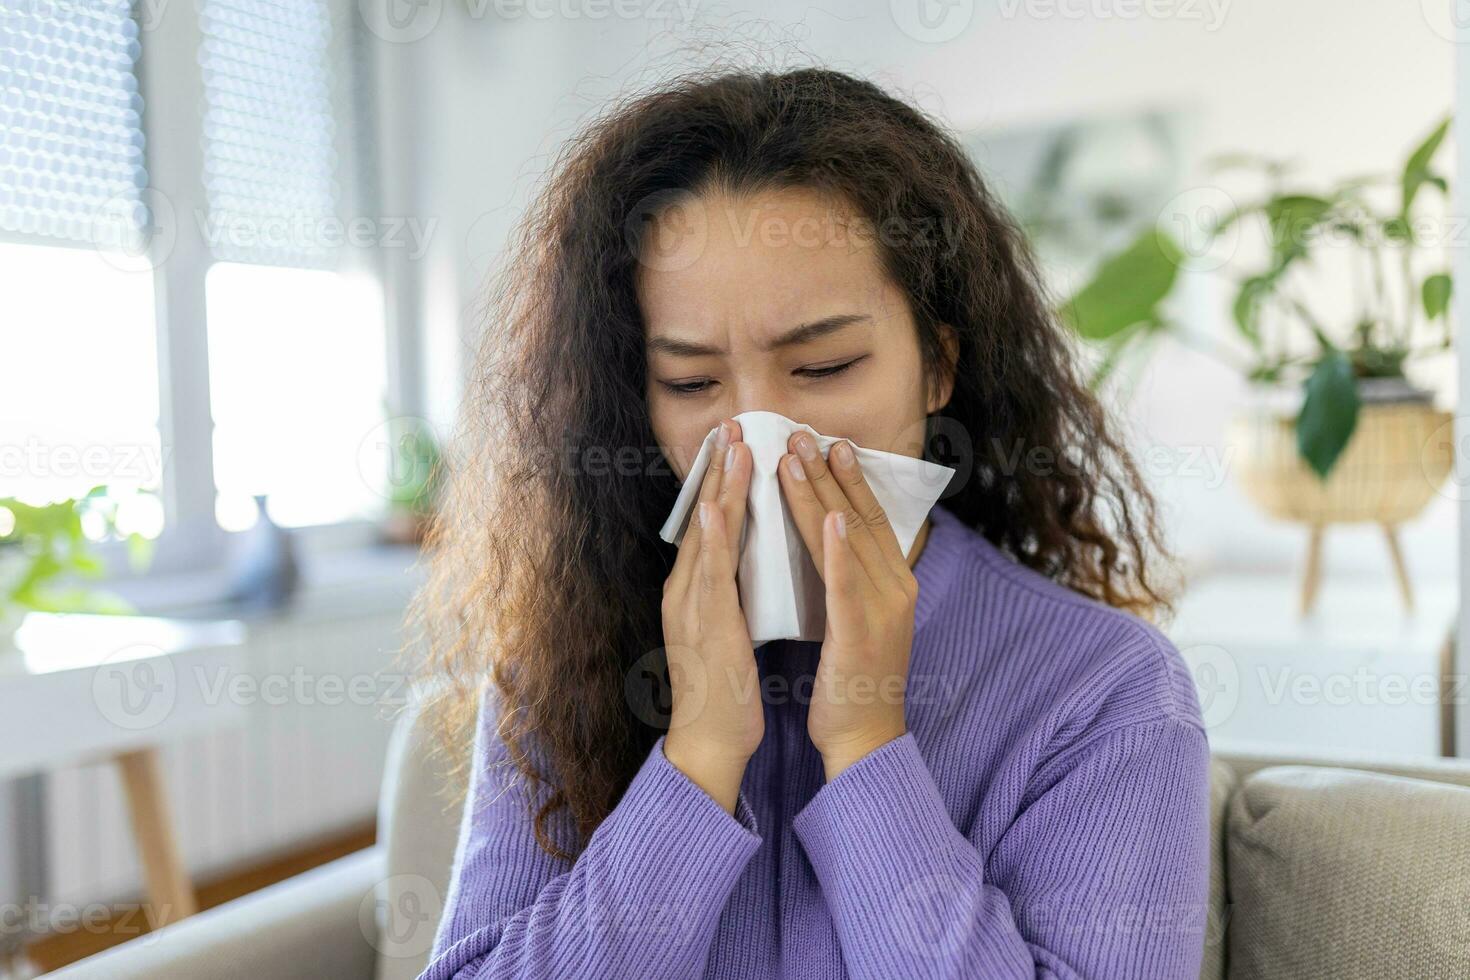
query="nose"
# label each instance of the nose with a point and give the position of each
(763, 398)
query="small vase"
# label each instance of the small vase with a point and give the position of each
(263, 571)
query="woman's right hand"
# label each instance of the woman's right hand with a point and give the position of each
(718, 716)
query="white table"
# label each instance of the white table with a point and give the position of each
(1360, 672)
(79, 688)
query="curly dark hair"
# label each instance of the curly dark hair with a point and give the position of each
(545, 566)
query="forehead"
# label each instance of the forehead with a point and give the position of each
(763, 261)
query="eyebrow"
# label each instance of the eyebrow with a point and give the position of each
(802, 334)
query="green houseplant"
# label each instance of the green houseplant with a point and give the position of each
(1360, 441)
(1121, 308)
(414, 477)
(44, 550)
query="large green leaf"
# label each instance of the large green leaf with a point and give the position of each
(1436, 295)
(1416, 171)
(1329, 414)
(1293, 218)
(1127, 288)
(1247, 305)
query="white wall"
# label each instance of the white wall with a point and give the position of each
(1346, 88)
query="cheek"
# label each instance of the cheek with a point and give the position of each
(894, 417)
(886, 412)
(864, 427)
(679, 436)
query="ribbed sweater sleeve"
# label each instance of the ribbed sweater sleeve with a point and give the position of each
(642, 900)
(1104, 877)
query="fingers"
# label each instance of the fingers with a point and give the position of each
(847, 621)
(842, 462)
(717, 602)
(737, 466)
(709, 491)
(813, 487)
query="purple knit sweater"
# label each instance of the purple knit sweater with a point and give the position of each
(1044, 815)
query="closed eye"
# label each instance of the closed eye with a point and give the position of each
(828, 372)
(695, 387)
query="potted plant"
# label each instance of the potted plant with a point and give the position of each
(413, 480)
(44, 547)
(1336, 432)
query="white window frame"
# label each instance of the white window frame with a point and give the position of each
(171, 85)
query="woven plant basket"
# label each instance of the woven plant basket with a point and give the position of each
(1396, 460)
(1400, 452)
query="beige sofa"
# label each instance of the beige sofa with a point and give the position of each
(1325, 868)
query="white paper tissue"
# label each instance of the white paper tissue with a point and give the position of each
(781, 590)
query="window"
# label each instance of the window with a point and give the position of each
(71, 139)
(79, 405)
(296, 378)
(296, 350)
(269, 159)
(201, 318)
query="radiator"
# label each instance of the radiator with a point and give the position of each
(306, 762)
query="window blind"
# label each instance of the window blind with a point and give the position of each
(71, 138)
(270, 160)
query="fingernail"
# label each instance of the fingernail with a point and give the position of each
(722, 437)
(806, 446)
(842, 525)
(730, 457)
(794, 467)
(844, 453)
(703, 512)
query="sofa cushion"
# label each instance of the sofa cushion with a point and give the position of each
(1222, 784)
(1343, 874)
(419, 813)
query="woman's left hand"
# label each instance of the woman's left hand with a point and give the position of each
(858, 693)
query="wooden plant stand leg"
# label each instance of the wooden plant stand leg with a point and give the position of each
(170, 892)
(1400, 570)
(1312, 577)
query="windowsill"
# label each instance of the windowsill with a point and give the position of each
(333, 583)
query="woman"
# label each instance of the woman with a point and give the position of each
(992, 766)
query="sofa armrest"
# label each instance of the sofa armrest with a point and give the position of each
(1246, 758)
(304, 927)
